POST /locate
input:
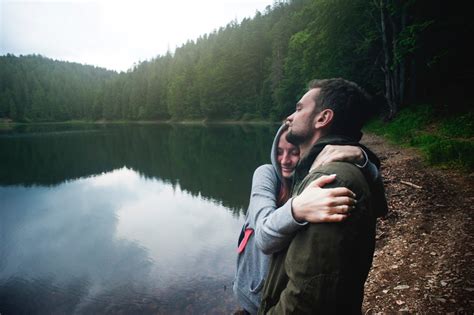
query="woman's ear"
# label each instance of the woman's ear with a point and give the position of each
(324, 118)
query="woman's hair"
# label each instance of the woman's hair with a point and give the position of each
(285, 185)
(284, 193)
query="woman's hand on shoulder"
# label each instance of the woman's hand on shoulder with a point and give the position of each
(333, 153)
(316, 204)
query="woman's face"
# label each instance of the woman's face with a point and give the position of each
(288, 156)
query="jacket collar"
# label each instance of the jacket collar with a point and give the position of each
(305, 163)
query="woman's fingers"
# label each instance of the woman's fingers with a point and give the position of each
(338, 191)
(337, 217)
(332, 153)
(323, 180)
(341, 191)
(341, 201)
(342, 209)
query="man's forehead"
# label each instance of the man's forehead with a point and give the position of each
(310, 96)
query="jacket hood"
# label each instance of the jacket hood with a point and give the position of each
(273, 152)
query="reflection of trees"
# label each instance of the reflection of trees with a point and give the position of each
(41, 296)
(215, 161)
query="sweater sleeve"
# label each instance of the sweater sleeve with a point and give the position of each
(274, 227)
(369, 168)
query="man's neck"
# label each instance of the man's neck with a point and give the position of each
(305, 148)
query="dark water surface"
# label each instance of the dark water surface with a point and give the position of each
(130, 219)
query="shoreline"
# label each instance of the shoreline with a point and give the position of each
(140, 122)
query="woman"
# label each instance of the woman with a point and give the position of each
(273, 217)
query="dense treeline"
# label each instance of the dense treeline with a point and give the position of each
(258, 68)
(33, 88)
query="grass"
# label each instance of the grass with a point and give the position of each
(444, 141)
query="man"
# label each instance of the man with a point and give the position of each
(324, 268)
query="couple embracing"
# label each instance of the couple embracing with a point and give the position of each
(307, 243)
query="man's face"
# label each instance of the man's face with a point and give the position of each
(301, 122)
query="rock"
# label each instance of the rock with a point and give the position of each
(402, 287)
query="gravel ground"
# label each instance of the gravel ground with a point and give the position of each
(423, 259)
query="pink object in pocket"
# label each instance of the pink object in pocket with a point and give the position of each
(245, 240)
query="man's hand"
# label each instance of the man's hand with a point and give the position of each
(316, 204)
(332, 153)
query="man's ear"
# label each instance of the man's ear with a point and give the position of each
(323, 119)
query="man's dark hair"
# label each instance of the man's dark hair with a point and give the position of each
(349, 102)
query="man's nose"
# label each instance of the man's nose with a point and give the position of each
(289, 118)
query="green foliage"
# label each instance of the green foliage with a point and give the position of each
(408, 40)
(256, 68)
(34, 88)
(446, 151)
(406, 125)
(443, 141)
(458, 126)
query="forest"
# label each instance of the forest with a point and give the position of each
(404, 53)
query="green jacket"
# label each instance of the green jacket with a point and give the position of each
(324, 269)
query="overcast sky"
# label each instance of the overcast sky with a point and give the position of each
(113, 34)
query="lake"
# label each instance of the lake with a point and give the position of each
(126, 218)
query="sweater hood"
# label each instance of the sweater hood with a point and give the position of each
(273, 152)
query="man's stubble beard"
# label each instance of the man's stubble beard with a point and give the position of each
(296, 139)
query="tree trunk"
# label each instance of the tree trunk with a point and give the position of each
(402, 62)
(413, 95)
(388, 61)
(392, 23)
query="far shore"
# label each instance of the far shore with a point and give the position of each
(8, 123)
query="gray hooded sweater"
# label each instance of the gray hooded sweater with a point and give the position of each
(268, 236)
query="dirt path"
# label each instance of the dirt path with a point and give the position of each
(423, 260)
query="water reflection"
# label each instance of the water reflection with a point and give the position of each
(115, 242)
(138, 219)
(215, 162)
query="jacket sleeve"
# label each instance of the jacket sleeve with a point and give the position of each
(274, 227)
(316, 265)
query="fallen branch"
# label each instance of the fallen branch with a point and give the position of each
(410, 184)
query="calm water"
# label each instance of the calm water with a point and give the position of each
(123, 218)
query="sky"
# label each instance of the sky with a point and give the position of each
(112, 34)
